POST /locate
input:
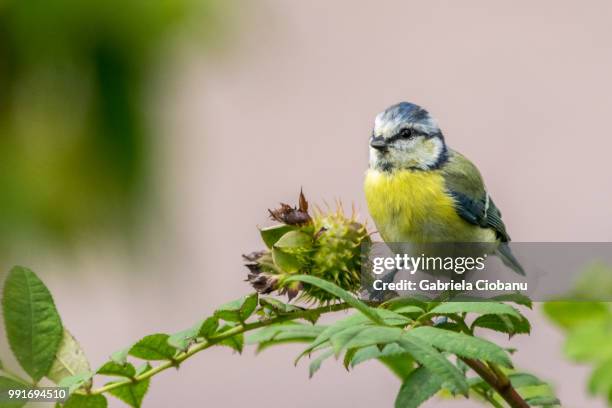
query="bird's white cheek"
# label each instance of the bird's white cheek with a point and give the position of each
(375, 156)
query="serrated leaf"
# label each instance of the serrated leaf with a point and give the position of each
(420, 385)
(119, 370)
(70, 360)
(153, 347)
(355, 320)
(33, 325)
(461, 344)
(238, 310)
(392, 317)
(340, 293)
(7, 384)
(286, 333)
(374, 335)
(436, 363)
(397, 302)
(86, 401)
(132, 393)
(503, 323)
(73, 383)
(483, 308)
(315, 364)
(185, 338)
(272, 234)
(208, 327)
(373, 352)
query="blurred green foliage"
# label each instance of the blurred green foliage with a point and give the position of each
(588, 325)
(74, 140)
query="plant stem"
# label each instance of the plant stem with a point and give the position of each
(498, 381)
(220, 337)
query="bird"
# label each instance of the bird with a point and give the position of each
(420, 191)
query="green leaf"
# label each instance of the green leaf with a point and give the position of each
(436, 363)
(400, 364)
(503, 323)
(132, 393)
(544, 401)
(571, 314)
(119, 370)
(120, 356)
(208, 327)
(283, 334)
(461, 344)
(355, 321)
(340, 339)
(517, 298)
(393, 317)
(153, 347)
(143, 368)
(185, 338)
(420, 385)
(373, 352)
(277, 307)
(286, 262)
(409, 309)
(284, 331)
(238, 310)
(316, 363)
(272, 234)
(590, 341)
(484, 308)
(73, 383)
(7, 384)
(70, 360)
(86, 401)
(398, 302)
(520, 380)
(374, 335)
(235, 342)
(294, 242)
(33, 326)
(600, 381)
(340, 293)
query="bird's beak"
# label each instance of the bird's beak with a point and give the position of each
(378, 143)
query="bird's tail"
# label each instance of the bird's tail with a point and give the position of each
(508, 258)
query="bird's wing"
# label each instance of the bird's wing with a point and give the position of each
(472, 202)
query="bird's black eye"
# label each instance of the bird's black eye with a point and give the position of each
(405, 133)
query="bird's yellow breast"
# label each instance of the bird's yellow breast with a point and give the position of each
(414, 206)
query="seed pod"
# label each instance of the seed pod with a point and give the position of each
(326, 245)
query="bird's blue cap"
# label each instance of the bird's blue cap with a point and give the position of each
(402, 115)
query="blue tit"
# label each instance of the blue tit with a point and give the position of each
(419, 190)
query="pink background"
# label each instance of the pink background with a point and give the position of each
(522, 88)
